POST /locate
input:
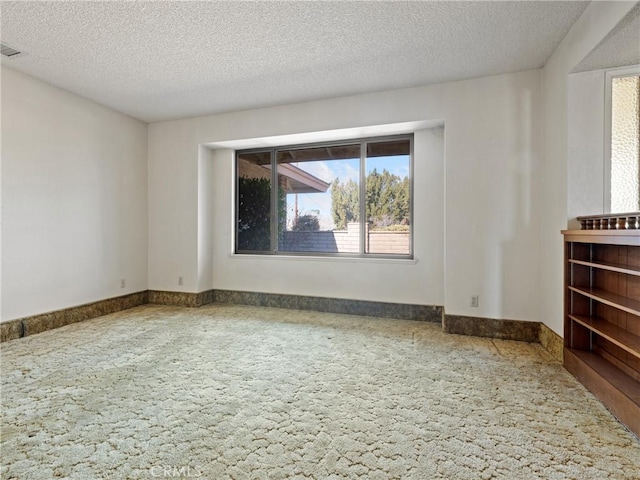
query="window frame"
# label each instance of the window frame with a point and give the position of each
(610, 75)
(363, 142)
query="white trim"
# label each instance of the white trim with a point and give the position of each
(328, 258)
(609, 76)
(328, 136)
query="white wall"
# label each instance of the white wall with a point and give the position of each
(488, 213)
(383, 280)
(585, 149)
(587, 159)
(591, 28)
(74, 199)
(206, 218)
(482, 197)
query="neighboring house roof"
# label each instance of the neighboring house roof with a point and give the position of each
(299, 181)
(292, 178)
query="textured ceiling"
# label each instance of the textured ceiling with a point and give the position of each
(165, 60)
(620, 48)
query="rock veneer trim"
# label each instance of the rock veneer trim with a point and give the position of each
(42, 322)
(492, 327)
(462, 325)
(400, 311)
(552, 342)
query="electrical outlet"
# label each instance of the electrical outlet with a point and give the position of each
(180, 281)
(123, 283)
(475, 300)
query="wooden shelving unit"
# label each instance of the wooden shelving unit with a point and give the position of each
(602, 312)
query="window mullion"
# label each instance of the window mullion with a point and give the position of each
(274, 203)
(363, 199)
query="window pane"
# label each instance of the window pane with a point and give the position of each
(321, 206)
(254, 201)
(625, 144)
(388, 206)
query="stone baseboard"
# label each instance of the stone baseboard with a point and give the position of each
(552, 342)
(181, 299)
(23, 327)
(493, 328)
(462, 325)
(401, 311)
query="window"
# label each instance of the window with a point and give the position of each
(348, 198)
(622, 172)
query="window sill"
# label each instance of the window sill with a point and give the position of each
(328, 258)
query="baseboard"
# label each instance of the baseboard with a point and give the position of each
(401, 311)
(463, 325)
(490, 327)
(23, 327)
(552, 342)
(181, 299)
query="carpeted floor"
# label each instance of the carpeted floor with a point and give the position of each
(229, 392)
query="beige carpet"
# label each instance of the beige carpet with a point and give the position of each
(227, 392)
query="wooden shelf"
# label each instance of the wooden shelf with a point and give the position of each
(615, 376)
(619, 336)
(615, 389)
(612, 267)
(614, 300)
(603, 351)
(618, 391)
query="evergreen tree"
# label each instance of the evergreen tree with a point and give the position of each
(345, 206)
(254, 213)
(387, 200)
